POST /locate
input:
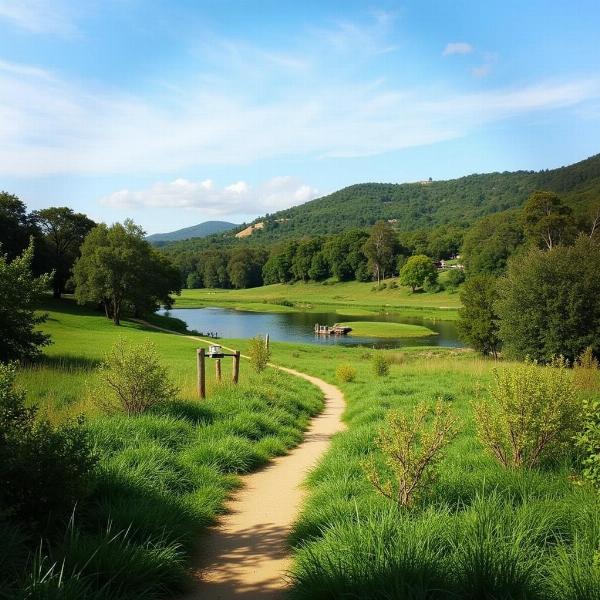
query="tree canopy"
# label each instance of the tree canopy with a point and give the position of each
(417, 270)
(120, 270)
(20, 293)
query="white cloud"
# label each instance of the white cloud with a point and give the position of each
(482, 71)
(235, 199)
(38, 16)
(457, 48)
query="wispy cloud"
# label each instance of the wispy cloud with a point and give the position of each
(457, 48)
(235, 199)
(38, 16)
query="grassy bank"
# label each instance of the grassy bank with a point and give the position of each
(350, 298)
(387, 330)
(480, 531)
(162, 477)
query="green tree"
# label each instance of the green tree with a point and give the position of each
(417, 270)
(381, 248)
(319, 267)
(214, 269)
(64, 231)
(20, 293)
(547, 221)
(478, 323)
(489, 243)
(549, 302)
(259, 353)
(245, 267)
(345, 254)
(16, 227)
(303, 258)
(120, 270)
(193, 280)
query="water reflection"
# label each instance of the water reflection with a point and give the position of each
(299, 327)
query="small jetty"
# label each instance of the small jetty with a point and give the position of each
(332, 330)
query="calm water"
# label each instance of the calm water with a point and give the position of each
(299, 327)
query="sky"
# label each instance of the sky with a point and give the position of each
(174, 112)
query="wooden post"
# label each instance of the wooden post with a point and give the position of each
(218, 369)
(200, 352)
(267, 341)
(236, 366)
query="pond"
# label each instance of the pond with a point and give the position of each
(299, 327)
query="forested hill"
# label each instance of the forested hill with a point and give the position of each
(427, 204)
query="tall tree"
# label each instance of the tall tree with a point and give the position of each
(549, 301)
(381, 249)
(490, 242)
(15, 226)
(64, 231)
(478, 321)
(547, 221)
(20, 293)
(120, 270)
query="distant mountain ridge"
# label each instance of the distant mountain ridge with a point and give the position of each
(195, 231)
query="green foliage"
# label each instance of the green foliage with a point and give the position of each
(20, 293)
(549, 302)
(381, 249)
(417, 270)
(259, 353)
(381, 365)
(345, 373)
(455, 278)
(244, 267)
(478, 322)
(412, 447)
(490, 242)
(64, 231)
(586, 374)
(547, 222)
(588, 440)
(16, 226)
(193, 280)
(44, 470)
(133, 378)
(114, 267)
(531, 416)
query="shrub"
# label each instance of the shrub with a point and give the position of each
(531, 416)
(259, 353)
(585, 371)
(381, 365)
(345, 373)
(134, 379)
(412, 448)
(454, 278)
(44, 470)
(589, 442)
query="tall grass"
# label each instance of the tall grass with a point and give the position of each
(163, 475)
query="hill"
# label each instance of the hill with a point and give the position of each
(424, 205)
(195, 231)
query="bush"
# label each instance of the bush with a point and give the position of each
(454, 278)
(381, 365)
(44, 470)
(589, 442)
(412, 450)
(134, 379)
(345, 373)
(585, 371)
(259, 353)
(532, 415)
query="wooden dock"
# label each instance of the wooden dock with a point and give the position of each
(332, 330)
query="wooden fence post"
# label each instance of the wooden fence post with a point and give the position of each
(267, 341)
(236, 366)
(218, 369)
(200, 352)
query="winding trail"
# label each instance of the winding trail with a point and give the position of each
(246, 555)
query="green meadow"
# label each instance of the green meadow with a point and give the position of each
(387, 330)
(163, 476)
(351, 298)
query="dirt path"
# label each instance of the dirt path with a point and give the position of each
(246, 555)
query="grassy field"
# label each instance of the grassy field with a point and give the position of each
(480, 531)
(162, 477)
(348, 298)
(387, 330)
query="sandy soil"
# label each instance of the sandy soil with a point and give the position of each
(246, 555)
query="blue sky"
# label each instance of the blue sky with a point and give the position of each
(174, 112)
